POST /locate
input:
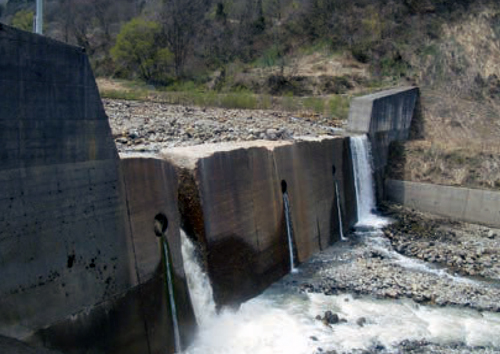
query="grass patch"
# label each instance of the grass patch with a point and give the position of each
(241, 100)
(314, 104)
(339, 106)
(289, 103)
(130, 95)
(333, 106)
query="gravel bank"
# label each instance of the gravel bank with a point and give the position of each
(150, 127)
(364, 267)
(368, 265)
(467, 249)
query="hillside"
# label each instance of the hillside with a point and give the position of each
(308, 58)
(460, 142)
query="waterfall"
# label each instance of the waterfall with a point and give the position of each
(173, 308)
(337, 196)
(363, 181)
(289, 233)
(200, 289)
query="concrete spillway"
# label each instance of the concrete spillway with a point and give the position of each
(230, 198)
(80, 265)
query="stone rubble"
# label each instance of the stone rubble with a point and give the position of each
(360, 267)
(466, 249)
(150, 127)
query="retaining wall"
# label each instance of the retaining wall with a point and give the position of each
(385, 117)
(472, 205)
(231, 203)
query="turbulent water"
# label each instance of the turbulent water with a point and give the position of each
(200, 289)
(283, 320)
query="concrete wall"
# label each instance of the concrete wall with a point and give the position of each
(79, 267)
(231, 201)
(472, 205)
(60, 187)
(12, 346)
(385, 117)
(152, 188)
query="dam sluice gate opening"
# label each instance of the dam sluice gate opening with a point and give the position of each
(307, 312)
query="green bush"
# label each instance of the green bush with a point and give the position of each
(269, 58)
(23, 20)
(138, 51)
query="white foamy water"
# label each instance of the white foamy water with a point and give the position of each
(286, 324)
(363, 182)
(389, 322)
(199, 285)
(280, 322)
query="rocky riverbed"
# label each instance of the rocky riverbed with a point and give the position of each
(150, 127)
(367, 266)
(431, 260)
(467, 249)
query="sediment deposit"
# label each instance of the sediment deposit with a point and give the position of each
(149, 126)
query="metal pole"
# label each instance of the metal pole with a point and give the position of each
(39, 17)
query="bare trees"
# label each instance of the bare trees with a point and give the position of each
(88, 23)
(181, 19)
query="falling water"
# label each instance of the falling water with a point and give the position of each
(282, 320)
(363, 181)
(173, 308)
(200, 289)
(289, 233)
(337, 196)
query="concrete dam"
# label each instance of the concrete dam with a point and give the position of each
(92, 255)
